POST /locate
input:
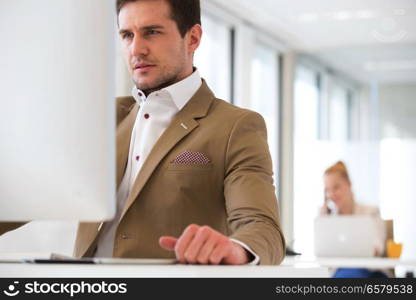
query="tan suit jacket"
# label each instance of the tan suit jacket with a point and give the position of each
(233, 193)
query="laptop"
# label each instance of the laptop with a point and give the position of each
(345, 236)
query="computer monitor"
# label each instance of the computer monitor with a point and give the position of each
(57, 115)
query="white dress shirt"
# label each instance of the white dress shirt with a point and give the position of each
(155, 114)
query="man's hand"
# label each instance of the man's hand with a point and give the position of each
(204, 245)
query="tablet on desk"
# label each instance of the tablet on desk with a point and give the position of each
(20, 257)
(134, 261)
(53, 258)
(103, 261)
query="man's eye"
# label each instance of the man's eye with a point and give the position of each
(152, 32)
(127, 36)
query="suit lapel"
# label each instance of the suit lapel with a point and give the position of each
(182, 125)
(124, 132)
(86, 239)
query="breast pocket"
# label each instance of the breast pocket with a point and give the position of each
(189, 167)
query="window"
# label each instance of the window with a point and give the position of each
(306, 104)
(340, 113)
(265, 94)
(306, 177)
(213, 57)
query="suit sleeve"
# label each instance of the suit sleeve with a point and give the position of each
(251, 201)
(6, 227)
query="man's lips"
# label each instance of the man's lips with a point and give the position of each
(143, 67)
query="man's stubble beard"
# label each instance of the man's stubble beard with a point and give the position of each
(166, 79)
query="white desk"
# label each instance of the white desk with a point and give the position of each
(346, 262)
(17, 270)
(400, 267)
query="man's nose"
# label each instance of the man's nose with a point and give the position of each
(139, 47)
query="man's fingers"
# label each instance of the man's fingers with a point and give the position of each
(204, 245)
(183, 242)
(220, 251)
(168, 243)
(206, 250)
(201, 237)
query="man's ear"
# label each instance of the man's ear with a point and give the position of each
(194, 36)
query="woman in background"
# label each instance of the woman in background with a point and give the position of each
(339, 200)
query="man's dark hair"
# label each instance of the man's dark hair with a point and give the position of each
(185, 13)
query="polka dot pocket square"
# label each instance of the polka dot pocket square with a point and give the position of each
(191, 158)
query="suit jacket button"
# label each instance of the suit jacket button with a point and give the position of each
(124, 236)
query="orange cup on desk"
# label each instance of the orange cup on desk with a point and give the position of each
(394, 250)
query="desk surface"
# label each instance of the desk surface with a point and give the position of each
(21, 270)
(346, 262)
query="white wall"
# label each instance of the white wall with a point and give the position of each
(398, 150)
(398, 111)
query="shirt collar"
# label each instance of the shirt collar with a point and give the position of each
(180, 92)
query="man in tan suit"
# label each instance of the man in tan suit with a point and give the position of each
(183, 156)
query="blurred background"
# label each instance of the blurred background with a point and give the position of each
(334, 80)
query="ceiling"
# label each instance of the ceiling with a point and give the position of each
(367, 39)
